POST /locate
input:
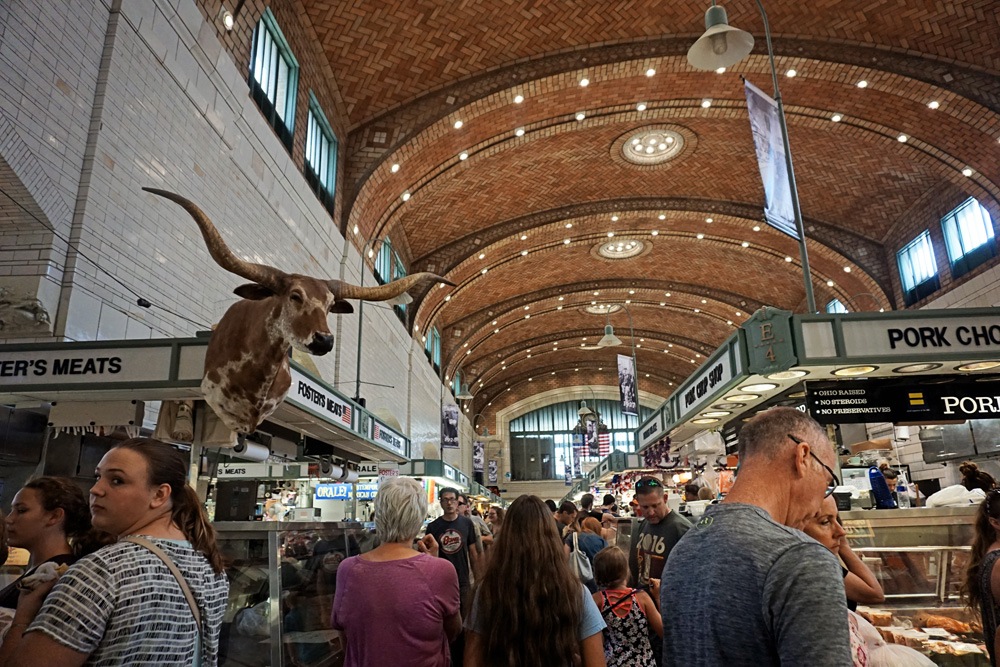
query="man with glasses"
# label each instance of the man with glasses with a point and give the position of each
(756, 592)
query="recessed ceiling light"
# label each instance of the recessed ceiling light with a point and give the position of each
(762, 386)
(756, 228)
(405, 196)
(705, 103)
(458, 124)
(566, 241)
(829, 283)
(581, 116)
(851, 371)
(662, 216)
(651, 72)
(528, 317)
(862, 84)
(394, 168)
(641, 106)
(494, 322)
(663, 303)
(463, 156)
(978, 366)
(967, 172)
(558, 307)
(720, 70)
(738, 314)
(902, 138)
(933, 104)
(527, 307)
(569, 225)
(742, 397)
(355, 229)
(727, 406)
(518, 99)
(584, 82)
(655, 232)
(836, 118)
(704, 421)
(482, 255)
(701, 236)
(667, 294)
(596, 293)
(610, 234)
(447, 298)
(484, 271)
(631, 291)
(519, 132)
(791, 73)
(697, 310)
(787, 258)
(718, 413)
(709, 220)
(614, 218)
(847, 269)
(787, 375)
(523, 253)
(745, 244)
(524, 237)
(917, 368)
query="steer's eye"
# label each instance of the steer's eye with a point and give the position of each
(296, 297)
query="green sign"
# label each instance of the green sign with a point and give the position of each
(769, 341)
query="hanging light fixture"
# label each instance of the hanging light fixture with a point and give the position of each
(584, 411)
(609, 339)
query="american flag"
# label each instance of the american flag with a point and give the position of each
(377, 432)
(345, 417)
(604, 444)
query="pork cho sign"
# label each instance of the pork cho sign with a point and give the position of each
(861, 401)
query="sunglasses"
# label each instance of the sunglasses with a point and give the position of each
(834, 480)
(648, 483)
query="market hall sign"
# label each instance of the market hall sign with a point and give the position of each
(310, 394)
(861, 401)
(64, 366)
(901, 337)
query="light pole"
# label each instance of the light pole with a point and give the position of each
(370, 248)
(721, 46)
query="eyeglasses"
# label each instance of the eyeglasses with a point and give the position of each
(834, 480)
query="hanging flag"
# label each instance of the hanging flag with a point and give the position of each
(449, 426)
(765, 125)
(577, 454)
(604, 448)
(627, 385)
(478, 454)
(494, 466)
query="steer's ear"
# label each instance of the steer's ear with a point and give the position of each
(253, 292)
(341, 307)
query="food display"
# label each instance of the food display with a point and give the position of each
(937, 634)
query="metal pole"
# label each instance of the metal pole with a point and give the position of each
(793, 190)
(635, 364)
(361, 314)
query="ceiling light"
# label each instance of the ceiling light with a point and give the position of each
(829, 283)
(558, 307)
(902, 138)
(787, 258)
(742, 397)
(523, 253)
(484, 271)
(718, 413)
(666, 294)
(727, 406)
(745, 244)
(862, 84)
(581, 116)
(519, 132)
(701, 236)
(482, 255)
(655, 232)
(705, 103)
(709, 220)
(394, 168)
(738, 314)
(528, 317)
(458, 124)
(847, 269)
(852, 371)
(447, 298)
(518, 99)
(355, 229)
(917, 368)
(704, 300)
(967, 172)
(371, 252)
(463, 156)
(227, 19)
(791, 73)
(569, 225)
(663, 303)
(756, 228)
(836, 118)
(762, 386)
(787, 375)
(662, 216)
(614, 218)
(641, 106)
(704, 421)
(584, 82)
(527, 307)
(978, 366)
(566, 241)
(651, 72)
(933, 104)
(524, 237)
(729, 322)
(720, 70)
(697, 310)
(406, 196)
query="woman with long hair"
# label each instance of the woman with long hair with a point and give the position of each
(50, 519)
(981, 589)
(974, 478)
(495, 518)
(122, 605)
(529, 608)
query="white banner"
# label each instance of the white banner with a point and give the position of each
(491, 476)
(627, 385)
(765, 125)
(478, 456)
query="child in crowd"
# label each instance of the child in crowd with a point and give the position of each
(629, 612)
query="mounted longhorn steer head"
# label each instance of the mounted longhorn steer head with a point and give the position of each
(246, 364)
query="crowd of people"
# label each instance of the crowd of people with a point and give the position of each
(765, 576)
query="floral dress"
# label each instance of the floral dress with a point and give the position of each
(626, 639)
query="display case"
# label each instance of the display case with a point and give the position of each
(282, 579)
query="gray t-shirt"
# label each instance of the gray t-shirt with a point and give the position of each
(749, 591)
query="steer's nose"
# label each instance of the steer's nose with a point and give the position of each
(321, 343)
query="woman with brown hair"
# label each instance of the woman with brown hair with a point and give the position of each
(495, 518)
(529, 608)
(50, 519)
(974, 478)
(981, 589)
(123, 605)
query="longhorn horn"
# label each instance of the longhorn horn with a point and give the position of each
(268, 276)
(342, 290)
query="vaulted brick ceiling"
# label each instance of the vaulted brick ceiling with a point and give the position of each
(492, 208)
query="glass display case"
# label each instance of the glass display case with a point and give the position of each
(282, 581)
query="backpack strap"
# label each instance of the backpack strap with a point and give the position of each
(162, 555)
(627, 596)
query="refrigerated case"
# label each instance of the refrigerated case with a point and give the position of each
(282, 579)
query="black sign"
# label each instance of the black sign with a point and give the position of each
(896, 400)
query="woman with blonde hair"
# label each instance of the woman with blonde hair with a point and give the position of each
(122, 604)
(529, 608)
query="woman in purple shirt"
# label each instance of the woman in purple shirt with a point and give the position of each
(395, 605)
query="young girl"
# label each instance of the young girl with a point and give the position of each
(629, 612)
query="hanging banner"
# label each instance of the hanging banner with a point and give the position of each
(627, 385)
(765, 125)
(478, 456)
(577, 455)
(449, 426)
(492, 474)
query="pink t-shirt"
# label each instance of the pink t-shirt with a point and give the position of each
(393, 611)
